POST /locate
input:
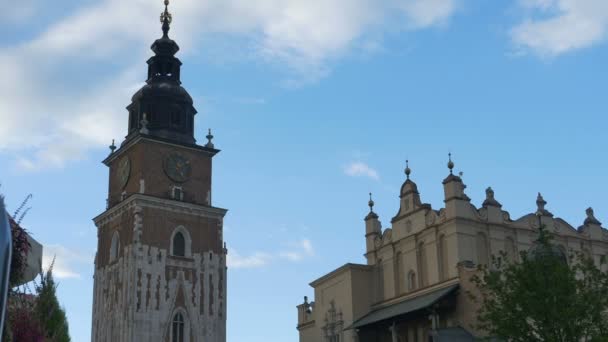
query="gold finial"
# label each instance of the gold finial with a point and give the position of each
(408, 171)
(371, 203)
(166, 18)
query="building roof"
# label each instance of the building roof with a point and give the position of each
(340, 270)
(405, 307)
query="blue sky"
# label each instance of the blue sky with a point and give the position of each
(314, 104)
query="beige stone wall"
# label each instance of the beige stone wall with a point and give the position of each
(345, 292)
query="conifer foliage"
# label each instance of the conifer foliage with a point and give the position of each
(47, 310)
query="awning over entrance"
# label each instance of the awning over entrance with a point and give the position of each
(408, 306)
(455, 334)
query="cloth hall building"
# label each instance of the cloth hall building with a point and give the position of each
(414, 285)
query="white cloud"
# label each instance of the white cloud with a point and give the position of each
(427, 13)
(298, 250)
(235, 260)
(358, 169)
(64, 92)
(66, 261)
(555, 27)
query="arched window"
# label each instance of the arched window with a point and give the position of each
(482, 249)
(422, 264)
(178, 328)
(510, 249)
(442, 258)
(411, 280)
(179, 245)
(379, 281)
(114, 247)
(181, 242)
(398, 273)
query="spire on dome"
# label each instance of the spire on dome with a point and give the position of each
(169, 107)
(166, 18)
(450, 162)
(408, 186)
(372, 214)
(451, 176)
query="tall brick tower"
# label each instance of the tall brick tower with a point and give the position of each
(160, 267)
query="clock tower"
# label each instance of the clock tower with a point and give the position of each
(160, 266)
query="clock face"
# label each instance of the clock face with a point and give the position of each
(177, 167)
(123, 170)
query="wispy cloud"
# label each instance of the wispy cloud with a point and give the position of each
(298, 250)
(361, 169)
(259, 259)
(555, 27)
(64, 91)
(294, 252)
(67, 261)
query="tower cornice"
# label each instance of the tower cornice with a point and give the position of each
(142, 137)
(147, 201)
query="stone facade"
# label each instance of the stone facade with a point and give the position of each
(424, 253)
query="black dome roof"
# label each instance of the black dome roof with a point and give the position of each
(162, 107)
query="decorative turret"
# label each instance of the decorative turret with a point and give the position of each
(456, 201)
(452, 184)
(372, 215)
(409, 195)
(169, 107)
(373, 229)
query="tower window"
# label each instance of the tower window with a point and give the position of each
(179, 245)
(177, 329)
(114, 247)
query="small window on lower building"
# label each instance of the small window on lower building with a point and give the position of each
(411, 281)
(177, 193)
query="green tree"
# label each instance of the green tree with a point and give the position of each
(48, 311)
(546, 296)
